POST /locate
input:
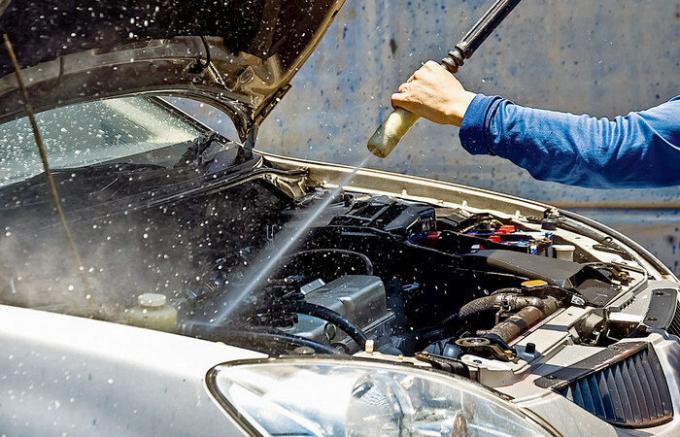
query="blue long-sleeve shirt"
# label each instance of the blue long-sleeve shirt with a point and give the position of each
(641, 149)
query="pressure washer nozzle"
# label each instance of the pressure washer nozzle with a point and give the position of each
(388, 135)
(386, 138)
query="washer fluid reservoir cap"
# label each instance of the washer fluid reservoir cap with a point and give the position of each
(151, 300)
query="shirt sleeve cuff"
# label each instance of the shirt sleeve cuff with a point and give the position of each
(473, 130)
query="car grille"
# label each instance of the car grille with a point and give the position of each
(631, 393)
(674, 327)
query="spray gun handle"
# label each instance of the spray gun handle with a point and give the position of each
(481, 30)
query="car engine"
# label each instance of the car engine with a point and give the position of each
(457, 288)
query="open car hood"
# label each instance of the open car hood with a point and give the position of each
(79, 50)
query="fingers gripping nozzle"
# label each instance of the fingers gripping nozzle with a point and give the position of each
(395, 126)
(400, 121)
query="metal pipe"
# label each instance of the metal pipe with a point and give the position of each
(478, 34)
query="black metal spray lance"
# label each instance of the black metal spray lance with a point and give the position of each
(395, 126)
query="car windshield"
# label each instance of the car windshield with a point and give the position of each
(114, 162)
(89, 133)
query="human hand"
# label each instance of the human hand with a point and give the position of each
(434, 93)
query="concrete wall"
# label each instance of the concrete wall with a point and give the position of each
(604, 58)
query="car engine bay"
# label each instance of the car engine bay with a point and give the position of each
(462, 290)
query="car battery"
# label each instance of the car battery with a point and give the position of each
(508, 237)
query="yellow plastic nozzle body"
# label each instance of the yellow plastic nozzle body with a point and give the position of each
(388, 135)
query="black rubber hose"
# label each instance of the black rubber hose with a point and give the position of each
(476, 306)
(253, 339)
(513, 301)
(295, 340)
(479, 305)
(509, 290)
(354, 332)
(365, 259)
(488, 303)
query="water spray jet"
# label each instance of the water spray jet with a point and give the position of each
(288, 241)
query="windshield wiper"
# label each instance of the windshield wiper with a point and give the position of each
(213, 153)
(109, 166)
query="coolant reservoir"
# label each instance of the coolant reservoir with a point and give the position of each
(152, 312)
(564, 251)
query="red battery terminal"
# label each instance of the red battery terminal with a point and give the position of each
(506, 229)
(434, 235)
(495, 238)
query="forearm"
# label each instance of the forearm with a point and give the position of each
(575, 150)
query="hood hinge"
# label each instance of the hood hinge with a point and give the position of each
(274, 99)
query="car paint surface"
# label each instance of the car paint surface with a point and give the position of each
(63, 375)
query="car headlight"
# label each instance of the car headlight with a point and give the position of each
(328, 397)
